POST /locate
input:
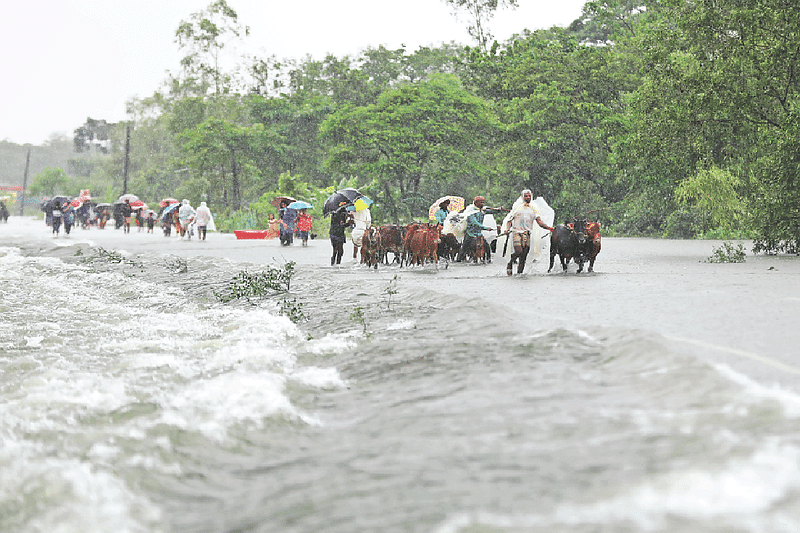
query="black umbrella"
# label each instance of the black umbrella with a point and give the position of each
(340, 198)
(58, 201)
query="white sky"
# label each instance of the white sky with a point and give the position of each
(65, 60)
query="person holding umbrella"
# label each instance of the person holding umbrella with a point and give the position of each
(126, 210)
(304, 224)
(339, 222)
(443, 211)
(288, 217)
(69, 216)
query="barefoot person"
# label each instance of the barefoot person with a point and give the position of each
(522, 218)
(126, 210)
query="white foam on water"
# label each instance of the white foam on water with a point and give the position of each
(788, 400)
(321, 378)
(333, 343)
(401, 324)
(740, 490)
(212, 406)
(75, 496)
(743, 493)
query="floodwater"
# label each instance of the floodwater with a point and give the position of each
(659, 393)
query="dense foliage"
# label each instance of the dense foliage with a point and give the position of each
(658, 117)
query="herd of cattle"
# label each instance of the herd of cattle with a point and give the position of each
(419, 243)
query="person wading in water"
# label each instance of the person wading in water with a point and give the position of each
(523, 216)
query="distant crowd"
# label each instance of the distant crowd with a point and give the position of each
(67, 212)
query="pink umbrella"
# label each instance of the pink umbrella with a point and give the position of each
(138, 204)
(76, 202)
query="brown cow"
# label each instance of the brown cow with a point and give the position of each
(371, 249)
(424, 244)
(391, 240)
(408, 236)
(593, 242)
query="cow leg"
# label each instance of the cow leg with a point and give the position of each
(591, 265)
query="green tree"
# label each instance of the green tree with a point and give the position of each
(203, 38)
(480, 13)
(430, 130)
(51, 182)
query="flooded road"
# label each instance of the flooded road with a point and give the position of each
(659, 393)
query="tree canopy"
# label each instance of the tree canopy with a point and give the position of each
(660, 117)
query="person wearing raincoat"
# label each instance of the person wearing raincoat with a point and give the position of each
(202, 218)
(520, 223)
(186, 216)
(362, 220)
(475, 214)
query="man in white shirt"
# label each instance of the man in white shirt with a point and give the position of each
(522, 218)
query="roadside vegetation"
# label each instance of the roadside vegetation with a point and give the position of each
(658, 117)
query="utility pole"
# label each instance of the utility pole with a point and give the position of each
(24, 184)
(127, 151)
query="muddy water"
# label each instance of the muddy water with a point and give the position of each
(659, 393)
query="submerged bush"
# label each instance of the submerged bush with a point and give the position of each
(727, 253)
(259, 284)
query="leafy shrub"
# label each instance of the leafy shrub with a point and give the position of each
(259, 284)
(727, 253)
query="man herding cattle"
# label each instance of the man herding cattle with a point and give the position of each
(520, 223)
(475, 214)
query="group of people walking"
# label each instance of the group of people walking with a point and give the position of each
(186, 219)
(518, 226)
(294, 222)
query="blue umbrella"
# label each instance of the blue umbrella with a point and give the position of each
(170, 208)
(300, 205)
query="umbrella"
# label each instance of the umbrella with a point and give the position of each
(362, 203)
(128, 196)
(170, 209)
(138, 204)
(339, 198)
(278, 199)
(168, 201)
(57, 201)
(99, 206)
(76, 202)
(300, 205)
(456, 204)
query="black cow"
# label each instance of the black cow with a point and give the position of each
(448, 247)
(569, 242)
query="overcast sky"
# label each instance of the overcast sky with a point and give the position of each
(65, 60)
